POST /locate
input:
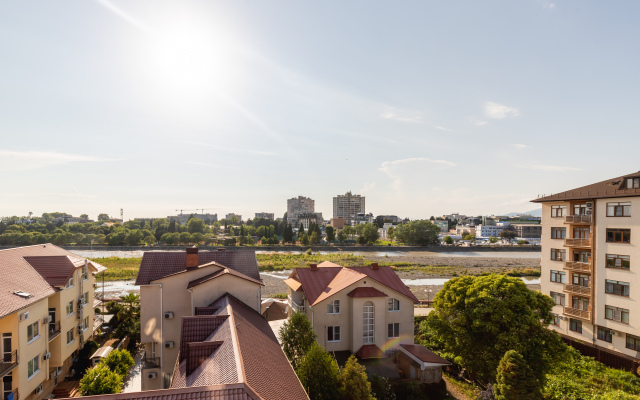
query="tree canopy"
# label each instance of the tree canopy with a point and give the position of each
(319, 374)
(119, 361)
(100, 380)
(353, 378)
(418, 233)
(515, 380)
(297, 337)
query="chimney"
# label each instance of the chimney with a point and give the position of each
(374, 266)
(192, 257)
(313, 267)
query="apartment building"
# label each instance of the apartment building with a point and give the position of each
(265, 215)
(487, 231)
(590, 260)
(362, 310)
(231, 215)
(299, 205)
(348, 206)
(46, 316)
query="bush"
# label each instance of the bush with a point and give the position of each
(100, 380)
(119, 361)
(521, 242)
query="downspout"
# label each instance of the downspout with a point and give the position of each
(593, 272)
(161, 327)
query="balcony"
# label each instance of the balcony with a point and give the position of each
(577, 290)
(9, 362)
(295, 306)
(54, 330)
(150, 362)
(578, 313)
(573, 242)
(578, 219)
(577, 266)
(16, 394)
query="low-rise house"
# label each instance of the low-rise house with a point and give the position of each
(46, 316)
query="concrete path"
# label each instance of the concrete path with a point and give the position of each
(421, 311)
(134, 380)
(276, 325)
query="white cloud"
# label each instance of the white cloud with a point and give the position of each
(29, 160)
(520, 146)
(478, 122)
(402, 115)
(499, 111)
(367, 187)
(442, 128)
(554, 168)
(394, 169)
(547, 4)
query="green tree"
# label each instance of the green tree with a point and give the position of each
(100, 380)
(341, 236)
(330, 232)
(381, 389)
(119, 361)
(186, 238)
(515, 380)
(353, 378)
(477, 319)
(448, 240)
(84, 216)
(195, 225)
(391, 233)
(315, 238)
(248, 240)
(509, 235)
(370, 233)
(296, 336)
(319, 374)
(103, 217)
(493, 239)
(300, 229)
(304, 239)
(471, 238)
(418, 233)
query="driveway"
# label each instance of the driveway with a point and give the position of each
(421, 311)
(134, 379)
(275, 326)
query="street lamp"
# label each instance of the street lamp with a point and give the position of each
(428, 295)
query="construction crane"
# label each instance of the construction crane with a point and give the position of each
(187, 210)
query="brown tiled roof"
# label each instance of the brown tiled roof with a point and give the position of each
(610, 188)
(197, 329)
(424, 354)
(158, 264)
(366, 292)
(293, 284)
(56, 270)
(237, 391)
(331, 278)
(222, 272)
(16, 274)
(369, 351)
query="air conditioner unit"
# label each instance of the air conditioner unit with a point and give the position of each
(589, 211)
(38, 389)
(614, 333)
(563, 318)
(168, 315)
(168, 344)
(47, 320)
(152, 375)
(46, 356)
(24, 316)
(59, 370)
(80, 329)
(52, 374)
(589, 204)
(79, 314)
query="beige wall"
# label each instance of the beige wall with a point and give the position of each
(246, 291)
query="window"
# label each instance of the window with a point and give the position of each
(575, 325)
(33, 331)
(605, 334)
(558, 233)
(84, 273)
(394, 304)
(579, 209)
(581, 233)
(333, 334)
(616, 287)
(85, 299)
(33, 366)
(633, 183)
(619, 235)
(558, 298)
(69, 336)
(393, 330)
(85, 324)
(616, 314)
(557, 276)
(580, 303)
(618, 261)
(368, 323)
(558, 211)
(619, 209)
(555, 319)
(582, 256)
(633, 342)
(69, 308)
(581, 279)
(69, 283)
(558, 254)
(333, 307)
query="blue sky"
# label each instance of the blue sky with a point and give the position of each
(424, 107)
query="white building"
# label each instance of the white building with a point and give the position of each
(486, 231)
(348, 206)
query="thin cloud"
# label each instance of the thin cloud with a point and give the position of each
(30, 160)
(367, 187)
(398, 114)
(499, 111)
(554, 168)
(520, 146)
(442, 128)
(393, 169)
(478, 122)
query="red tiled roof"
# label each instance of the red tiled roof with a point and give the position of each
(366, 292)
(610, 188)
(158, 264)
(386, 276)
(293, 284)
(56, 270)
(424, 354)
(315, 282)
(197, 329)
(16, 274)
(237, 391)
(222, 272)
(369, 351)
(345, 278)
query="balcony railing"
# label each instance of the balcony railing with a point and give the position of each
(577, 219)
(150, 362)
(576, 312)
(9, 362)
(577, 266)
(54, 330)
(573, 242)
(16, 394)
(295, 306)
(577, 289)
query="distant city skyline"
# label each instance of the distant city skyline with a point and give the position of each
(425, 108)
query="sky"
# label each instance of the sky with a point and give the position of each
(424, 107)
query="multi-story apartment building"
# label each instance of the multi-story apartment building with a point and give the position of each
(231, 215)
(486, 231)
(362, 310)
(265, 215)
(46, 315)
(443, 225)
(299, 205)
(348, 206)
(527, 231)
(590, 264)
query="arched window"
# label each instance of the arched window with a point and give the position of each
(368, 323)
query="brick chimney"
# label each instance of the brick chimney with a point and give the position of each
(374, 266)
(192, 257)
(313, 267)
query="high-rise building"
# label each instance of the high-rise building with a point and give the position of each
(590, 263)
(299, 205)
(348, 206)
(265, 215)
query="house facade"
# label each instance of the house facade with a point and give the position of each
(590, 259)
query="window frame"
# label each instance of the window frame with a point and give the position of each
(575, 323)
(621, 206)
(633, 183)
(555, 320)
(615, 284)
(618, 257)
(613, 309)
(606, 334)
(562, 296)
(555, 230)
(556, 214)
(69, 283)
(554, 274)
(636, 341)
(332, 306)
(391, 304)
(555, 252)
(73, 337)
(394, 328)
(335, 332)
(615, 232)
(33, 366)
(85, 299)
(69, 306)
(31, 327)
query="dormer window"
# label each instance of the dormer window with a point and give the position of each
(633, 183)
(69, 283)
